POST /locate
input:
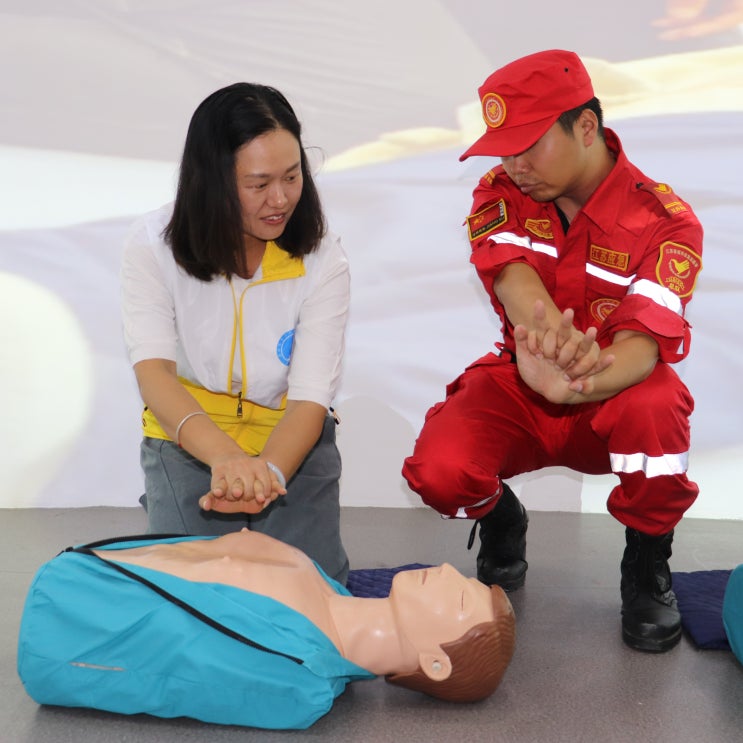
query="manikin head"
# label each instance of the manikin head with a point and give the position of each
(462, 631)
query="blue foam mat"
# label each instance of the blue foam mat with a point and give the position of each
(700, 595)
(375, 583)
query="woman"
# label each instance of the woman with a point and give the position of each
(235, 302)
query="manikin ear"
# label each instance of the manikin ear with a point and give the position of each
(436, 666)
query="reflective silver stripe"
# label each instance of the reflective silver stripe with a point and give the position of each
(462, 513)
(645, 288)
(658, 294)
(550, 250)
(511, 238)
(666, 464)
(612, 278)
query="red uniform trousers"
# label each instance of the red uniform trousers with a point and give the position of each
(493, 426)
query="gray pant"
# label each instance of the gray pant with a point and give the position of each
(307, 517)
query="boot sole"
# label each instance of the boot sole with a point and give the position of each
(513, 585)
(650, 645)
(507, 586)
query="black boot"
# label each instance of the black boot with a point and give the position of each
(650, 617)
(501, 559)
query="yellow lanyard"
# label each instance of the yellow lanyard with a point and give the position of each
(277, 264)
(237, 338)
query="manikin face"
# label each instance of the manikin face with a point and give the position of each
(554, 166)
(433, 606)
(268, 173)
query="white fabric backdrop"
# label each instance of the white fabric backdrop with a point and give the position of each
(92, 124)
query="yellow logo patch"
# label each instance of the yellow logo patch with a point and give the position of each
(678, 268)
(675, 207)
(609, 258)
(602, 308)
(540, 227)
(672, 206)
(489, 177)
(664, 193)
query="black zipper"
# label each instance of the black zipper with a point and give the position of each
(87, 549)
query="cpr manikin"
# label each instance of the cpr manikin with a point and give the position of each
(438, 632)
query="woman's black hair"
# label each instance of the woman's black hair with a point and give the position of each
(568, 118)
(205, 231)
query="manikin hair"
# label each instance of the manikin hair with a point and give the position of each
(479, 658)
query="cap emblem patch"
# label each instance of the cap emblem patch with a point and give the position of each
(493, 110)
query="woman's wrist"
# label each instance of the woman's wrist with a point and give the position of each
(183, 420)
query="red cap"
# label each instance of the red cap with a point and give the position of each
(522, 100)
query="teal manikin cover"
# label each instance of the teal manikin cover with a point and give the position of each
(128, 639)
(732, 611)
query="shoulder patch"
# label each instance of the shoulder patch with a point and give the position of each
(487, 219)
(540, 227)
(489, 177)
(678, 268)
(664, 193)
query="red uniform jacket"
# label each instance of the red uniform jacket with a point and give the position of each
(630, 259)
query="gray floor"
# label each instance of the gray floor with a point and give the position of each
(571, 678)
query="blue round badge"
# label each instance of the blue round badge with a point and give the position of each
(284, 347)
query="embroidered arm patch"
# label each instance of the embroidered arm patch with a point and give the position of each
(487, 219)
(678, 268)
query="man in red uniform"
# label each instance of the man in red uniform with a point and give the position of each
(589, 265)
